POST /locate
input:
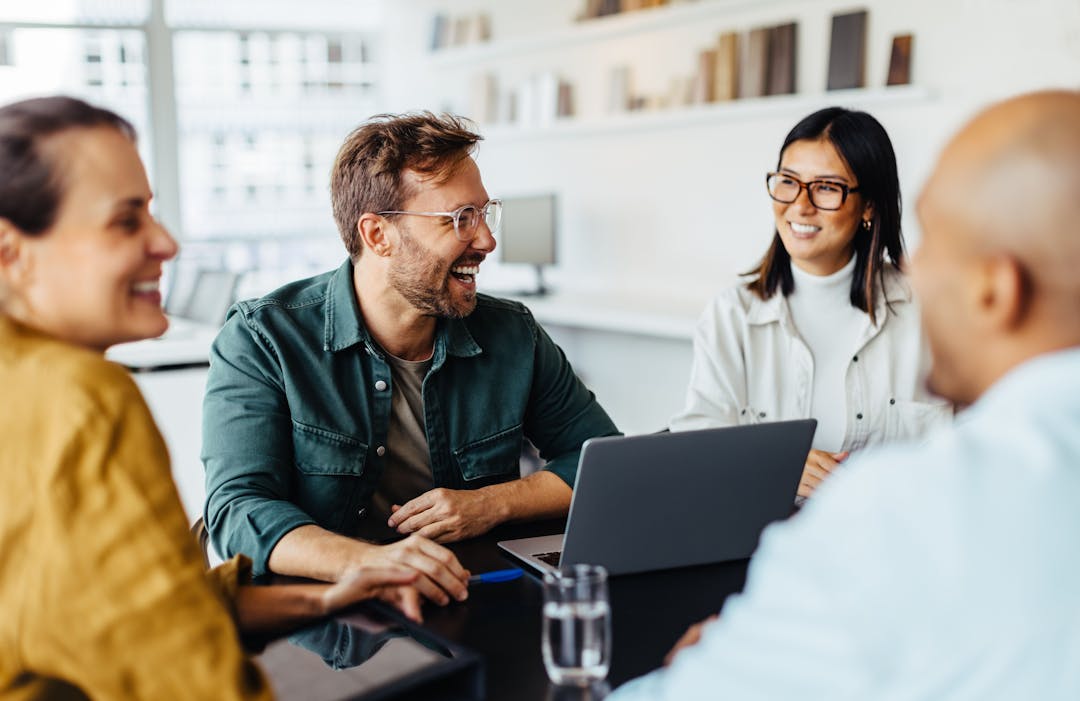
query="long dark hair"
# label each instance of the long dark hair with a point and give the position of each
(30, 186)
(863, 144)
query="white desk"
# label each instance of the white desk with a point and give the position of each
(171, 373)
(185, 344)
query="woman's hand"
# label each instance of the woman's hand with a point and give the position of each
(390, 584)
(819, 465)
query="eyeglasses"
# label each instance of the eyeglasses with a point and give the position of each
(823, 194)
(466, 219)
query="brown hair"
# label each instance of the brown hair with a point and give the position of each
(31, 187)
(367, 174)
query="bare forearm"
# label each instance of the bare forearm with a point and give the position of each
(539, 495)
(316, 553)
(265, 609)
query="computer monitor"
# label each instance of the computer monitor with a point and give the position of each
(528, 234)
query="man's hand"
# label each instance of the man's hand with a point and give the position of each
(819, 465)
(440, 575)
(448, 515)
(391, 584)
(689, 638)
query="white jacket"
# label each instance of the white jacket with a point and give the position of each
(750, 366)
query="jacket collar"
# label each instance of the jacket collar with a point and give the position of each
(344, 325)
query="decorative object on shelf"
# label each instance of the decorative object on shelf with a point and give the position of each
(900, 61)
(847, 51)
(459, 31)
(781, 64)
(619, 89)
(754, 70)
(484, 98)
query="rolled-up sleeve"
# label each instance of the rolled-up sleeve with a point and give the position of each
(247, 446)
(562, 413)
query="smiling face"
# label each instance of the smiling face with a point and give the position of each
(92, 278)
(818, 241)
(430, 267)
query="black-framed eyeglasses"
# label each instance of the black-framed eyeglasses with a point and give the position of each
(466, 219)
(824, 194)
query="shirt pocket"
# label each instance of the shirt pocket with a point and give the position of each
(495, 458)
(912, 420)
(325, 460)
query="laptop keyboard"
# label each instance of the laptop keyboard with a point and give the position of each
(549, 558)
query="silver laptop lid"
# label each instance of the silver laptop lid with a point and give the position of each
(677, 499)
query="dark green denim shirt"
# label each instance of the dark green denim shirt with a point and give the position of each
(298, 405)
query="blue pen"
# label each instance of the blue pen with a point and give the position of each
(496, 576)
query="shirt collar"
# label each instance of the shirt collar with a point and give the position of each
(344, 326)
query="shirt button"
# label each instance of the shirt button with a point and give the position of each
(857, 416)
(381, 450)
(361, 513)
(892, 401)
(761, 415)
(380, 386)
(855, 359)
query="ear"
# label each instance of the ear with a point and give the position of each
(11, 245)
(373, 230)
(1006, 292)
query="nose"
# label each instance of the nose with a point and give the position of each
(161, 244)
(802, 203)
(484, 240)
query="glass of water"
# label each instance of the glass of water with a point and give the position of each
(577, 625)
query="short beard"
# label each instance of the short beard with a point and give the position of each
(424, 281)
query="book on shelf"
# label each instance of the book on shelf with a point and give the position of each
(439, 31)
(726, 73)
(900, 61)
(847, 51)
(705, 77)
(781, 63)
(752, 71)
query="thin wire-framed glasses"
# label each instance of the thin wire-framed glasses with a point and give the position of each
(466, 219)
(824, 194)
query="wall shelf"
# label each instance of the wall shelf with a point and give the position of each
(592, 30)
(738, 110)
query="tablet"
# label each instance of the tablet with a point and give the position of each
(370, 653)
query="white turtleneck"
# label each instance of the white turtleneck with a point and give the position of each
(826, 320)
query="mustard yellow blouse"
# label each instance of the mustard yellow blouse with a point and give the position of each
(102, 589)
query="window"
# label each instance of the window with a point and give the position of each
(264, 92)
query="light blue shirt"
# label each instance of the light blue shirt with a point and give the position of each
(948, 570)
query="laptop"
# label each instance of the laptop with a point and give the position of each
(664, 500)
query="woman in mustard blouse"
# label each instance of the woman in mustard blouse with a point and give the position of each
(102, 588)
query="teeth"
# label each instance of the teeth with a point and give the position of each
(804, 228)
(466, 270)
(147, 286)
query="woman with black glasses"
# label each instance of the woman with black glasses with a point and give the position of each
(825, 326)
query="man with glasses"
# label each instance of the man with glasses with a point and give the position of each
(389, 398)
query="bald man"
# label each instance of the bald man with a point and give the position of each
(949, 570)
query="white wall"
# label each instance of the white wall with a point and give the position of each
(685, 208)
(676, 210)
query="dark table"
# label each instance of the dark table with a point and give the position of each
(502, 621)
